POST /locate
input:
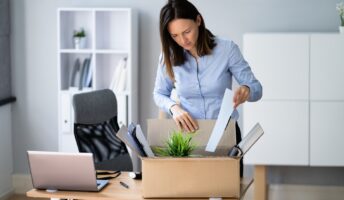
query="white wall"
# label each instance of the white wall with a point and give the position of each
(34, 56)
(6, 160)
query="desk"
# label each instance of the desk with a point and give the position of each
(112, 191)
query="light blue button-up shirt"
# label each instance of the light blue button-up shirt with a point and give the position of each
(200, 84)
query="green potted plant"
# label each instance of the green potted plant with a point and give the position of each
(340, 9)
(79, 38)
(179, 144)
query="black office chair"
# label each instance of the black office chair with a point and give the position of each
(95, 128)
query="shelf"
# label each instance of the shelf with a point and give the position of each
(123, 93)
(98, 51)
(111, 51)
(75, 90)
(75, 50)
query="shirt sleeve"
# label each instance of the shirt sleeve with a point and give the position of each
(162, 88)
(242, 72)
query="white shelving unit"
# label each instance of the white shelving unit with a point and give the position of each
(111, 35)
(302, 108)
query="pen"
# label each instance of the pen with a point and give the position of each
(124, 185)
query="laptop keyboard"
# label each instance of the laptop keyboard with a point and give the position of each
(101, 183)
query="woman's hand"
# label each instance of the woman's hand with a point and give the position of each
(183, 120)
(241, 95)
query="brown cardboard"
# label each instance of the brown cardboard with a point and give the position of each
(200, 177)
(190, 177)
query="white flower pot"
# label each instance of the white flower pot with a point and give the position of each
(341, 29)
(79, 42)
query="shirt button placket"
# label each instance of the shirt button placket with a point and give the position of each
(201, 104)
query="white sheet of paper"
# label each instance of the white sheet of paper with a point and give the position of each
(222, 121)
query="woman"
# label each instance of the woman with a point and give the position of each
(200, 66)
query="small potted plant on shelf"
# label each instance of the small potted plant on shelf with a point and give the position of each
(79, 38)
(340, 9)
(178, 145)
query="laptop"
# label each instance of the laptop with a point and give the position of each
(63, 171)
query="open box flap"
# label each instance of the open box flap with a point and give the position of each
(247, 142)
(245, 184)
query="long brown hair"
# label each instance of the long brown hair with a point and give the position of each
(173, 54)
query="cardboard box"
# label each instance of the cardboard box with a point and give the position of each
(212, 175)
(216, 175)
(190, 177)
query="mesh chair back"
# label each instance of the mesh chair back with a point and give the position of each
(95, 125)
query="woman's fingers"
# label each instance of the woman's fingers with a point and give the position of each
(236, 97)
(183, 120)
(178, 116)
(189, 125)
(186, 125)
(241, 95)
(193, 123)
(180, 127)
